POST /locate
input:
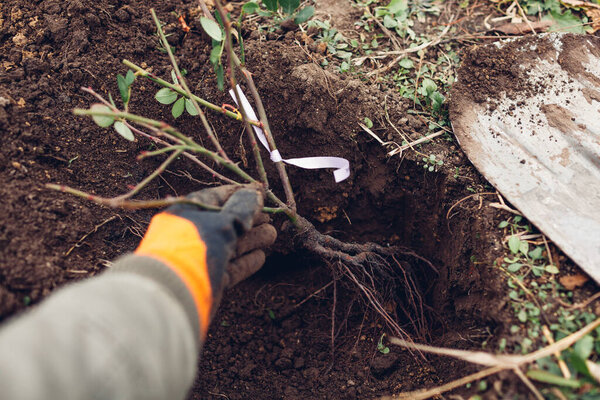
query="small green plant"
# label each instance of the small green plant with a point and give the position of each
(431, 96)
(337, 44)
(531, 289)
(396, 16)
(382, 348)
(290, 8)
(431, 163)
(168, 96)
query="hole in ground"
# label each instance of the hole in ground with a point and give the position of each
(272, 337)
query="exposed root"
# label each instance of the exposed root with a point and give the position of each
(387, 285)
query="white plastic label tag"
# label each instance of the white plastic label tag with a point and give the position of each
(341, 165)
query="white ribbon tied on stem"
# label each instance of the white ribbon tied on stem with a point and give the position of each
(341, 165)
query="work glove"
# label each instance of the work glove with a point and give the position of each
(209, 250)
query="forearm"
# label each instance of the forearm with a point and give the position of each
(123, 334)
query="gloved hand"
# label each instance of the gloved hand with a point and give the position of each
(209, 250)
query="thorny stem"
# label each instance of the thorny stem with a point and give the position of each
(139, 204)
(150, 177)
(189, 156)
(229, 47)
(130, 204)
(182, 80)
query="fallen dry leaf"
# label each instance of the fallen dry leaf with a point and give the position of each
(580, 4)
(594, 14)
(571, 282)
(523, 27)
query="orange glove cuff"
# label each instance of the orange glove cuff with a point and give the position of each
(175, 241)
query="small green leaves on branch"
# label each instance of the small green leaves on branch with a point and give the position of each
(165, 96)
(168, 96)
(104, 120)
(288, 7)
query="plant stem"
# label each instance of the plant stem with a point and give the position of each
(164, 143)
(162, 126)
(130, 204)
(150, 177)
(189, 156)
(285, 181)
(229, 47)
(182, 80)
(115, 202)
(181, 147)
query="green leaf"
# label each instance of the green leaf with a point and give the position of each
(551, 269)
(389, 21)
(123, 88)
(579, 364)
(129, 78)
(304, 15)
(178, 108)
(429, 86)
(250, 8)
(189, 107)
(524, 247)
(397, 6)
(271, 5)
(514, 243)
(584, 347)
(565, 22)
(368, 123)
(124, 130)
(165, 96)
(102, 120)
(437, 100)
(406, 63)
(212, 29)
(385, 350)
(289, 6)
(503, 224)
(215, 55)
(220, 77)
(536, 253)
(522, 315)
(547, 377)
(514, 267)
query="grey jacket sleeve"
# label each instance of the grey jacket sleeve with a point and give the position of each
(130, 333)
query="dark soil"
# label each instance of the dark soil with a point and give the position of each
(272, 336)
